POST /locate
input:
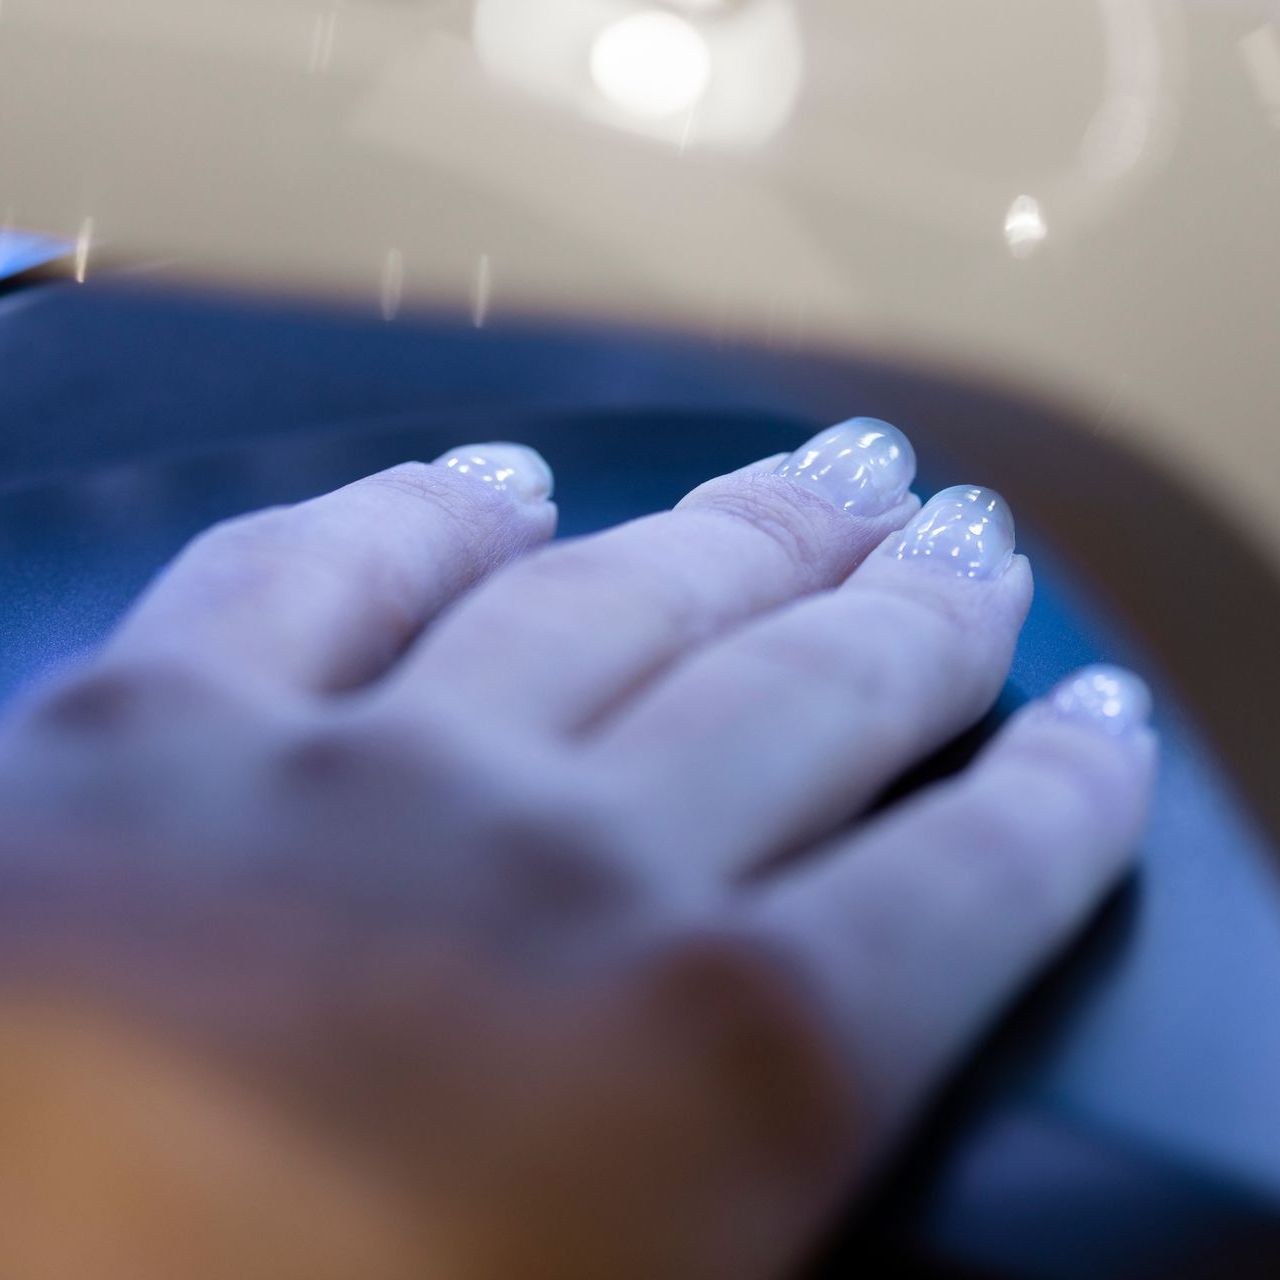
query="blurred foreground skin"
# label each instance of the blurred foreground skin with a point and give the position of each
(394, 898)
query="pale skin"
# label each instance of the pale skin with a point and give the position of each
(395, 896)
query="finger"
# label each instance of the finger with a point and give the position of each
(772, 737)
(570, 632)
(326, 593)
(918, 931)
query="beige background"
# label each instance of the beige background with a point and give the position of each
(1078, 195)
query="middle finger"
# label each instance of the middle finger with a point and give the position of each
(571, 632)
(786, 728)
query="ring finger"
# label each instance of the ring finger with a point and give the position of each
(788, 727)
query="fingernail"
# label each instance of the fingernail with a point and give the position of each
(1108, 698)
(967, 530)
(863, 466)
(509, 468)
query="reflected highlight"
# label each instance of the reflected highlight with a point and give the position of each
(651, 63)
(1024, 226)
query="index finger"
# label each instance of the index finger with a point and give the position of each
(325, 594)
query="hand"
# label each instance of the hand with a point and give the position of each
(394, 898)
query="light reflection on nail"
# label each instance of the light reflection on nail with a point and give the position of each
(1104, 697)
(863, 466)
(965, 530)
(509, 468)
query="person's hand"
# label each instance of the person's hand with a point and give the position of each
(393, 898)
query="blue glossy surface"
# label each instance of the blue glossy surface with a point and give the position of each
(22, 250)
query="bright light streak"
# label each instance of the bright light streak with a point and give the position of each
(481, 291)
(84, 242)
(392, 284)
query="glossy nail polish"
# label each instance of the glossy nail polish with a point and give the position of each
(967, 531)
(863, 466)
(509, 468)
(1107, 698)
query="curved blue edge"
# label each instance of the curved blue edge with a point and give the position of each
(22, 250)
(1127, 1116)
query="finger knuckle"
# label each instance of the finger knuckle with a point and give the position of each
(244, 556)
(800, 528)
(458, 499)
(807, 649)
(557, 854)
(1012, 861)
(339, 759)
(1075, 778)
(930, 612)
(799, 644)
(254, 530)
(926, 646)
(558, 590)
(560, 569)
(120, 695)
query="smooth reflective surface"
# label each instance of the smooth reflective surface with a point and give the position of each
(707, 74)
(1105, 697)
(20, 251)
(508, 468)
(962, 530)
(863, 466)
(1024, 226)
(651, 63)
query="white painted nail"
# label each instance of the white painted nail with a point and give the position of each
(1107, 698)
(863, 466)
(967, 531)
(509, 468)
